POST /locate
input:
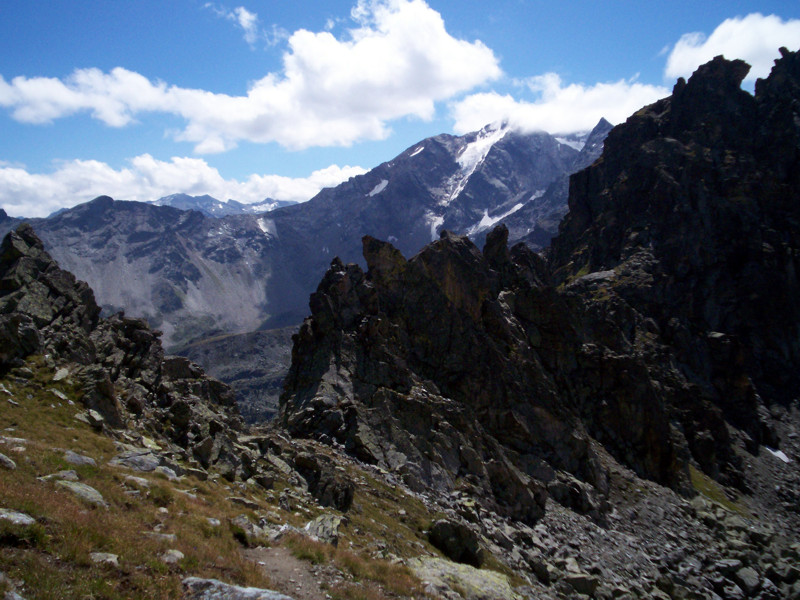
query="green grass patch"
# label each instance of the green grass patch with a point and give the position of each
(713, 491)
(304, 548)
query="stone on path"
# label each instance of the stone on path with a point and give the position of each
(212, 589)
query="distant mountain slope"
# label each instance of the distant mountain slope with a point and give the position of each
(194, 275)
(188, 274)
(254, 364)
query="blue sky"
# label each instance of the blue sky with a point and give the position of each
(249, 99)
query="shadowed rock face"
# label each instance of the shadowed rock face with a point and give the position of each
(662, 326)
(693, 209)
(460, 370)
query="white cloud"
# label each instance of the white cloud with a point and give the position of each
(397, 62)
(559, 107)
(754, 38)
(248, 22)
(146, 178)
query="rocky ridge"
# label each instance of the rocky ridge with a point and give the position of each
(211, 207)
(126, 380)
(656, 348)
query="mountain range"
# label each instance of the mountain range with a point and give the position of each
(201, 270)
(194, 275)
(211, 207)
(614, 418)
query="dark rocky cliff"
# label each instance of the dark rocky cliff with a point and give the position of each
(691, 220)
(663, 329)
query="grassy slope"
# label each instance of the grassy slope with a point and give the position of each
(51, 559)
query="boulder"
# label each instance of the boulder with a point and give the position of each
(325, 528)
(74, 458)
(457, 541)
(16, 518)
(329, 486)
(85, 492)
(212, 589)
(138, 460)
(104, 558)
(7, 463)
(445, 577)
(171, 557)
(18, 338)
(247, 532)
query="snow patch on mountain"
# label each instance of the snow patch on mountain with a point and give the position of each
(379, 188)
(475, 152)
(417, 151)
(267, 226)
(471, 157)
(434, 221)
(486, 221)
(221, 230)
(779, 454)
(572, 143)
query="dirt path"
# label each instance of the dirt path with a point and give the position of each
(296, 578)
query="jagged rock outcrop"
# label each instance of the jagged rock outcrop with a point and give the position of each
(454, 369)
(662, 326)
(119, 363)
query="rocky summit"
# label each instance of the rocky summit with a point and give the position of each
(658, 341)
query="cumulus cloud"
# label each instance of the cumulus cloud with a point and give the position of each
(754, 38)
(398, 61)
(146, 178)
(558, 107)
